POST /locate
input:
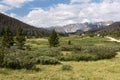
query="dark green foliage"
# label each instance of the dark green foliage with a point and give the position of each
(18, 60)
(20, 38)
(63, 34)
(66, 58)
(53, 39)
(7, 40)
(102, 52)
(45, 60)
(71, 48)
(67, 48)
(69, 42)
(2, 55)
(90, 53)
(51, 52)
(66, 67)
(91, 35)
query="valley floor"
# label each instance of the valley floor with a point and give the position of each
(108, 69)
(93, 70)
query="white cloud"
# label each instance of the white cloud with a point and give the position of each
(85, 20)
(101, 11)
(4, 8)
(63, 14)
(15, 3)
(111, 1)
(80, 1)
(6, 5)
(58, 15)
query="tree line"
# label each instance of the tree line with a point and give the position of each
(8, 40)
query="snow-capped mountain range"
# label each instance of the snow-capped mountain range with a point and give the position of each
(72, 28)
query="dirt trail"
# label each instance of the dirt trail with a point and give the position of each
(113, 39)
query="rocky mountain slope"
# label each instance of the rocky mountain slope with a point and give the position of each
(82, 27)
(113, 29)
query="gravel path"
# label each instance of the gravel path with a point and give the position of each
(113, 39)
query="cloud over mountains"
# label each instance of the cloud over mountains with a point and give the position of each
(61, 14)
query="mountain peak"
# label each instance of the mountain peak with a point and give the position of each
(72, 28)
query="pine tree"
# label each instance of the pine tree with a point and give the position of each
(53, 39)
(7, 40)
(20, 38)
(69, 42)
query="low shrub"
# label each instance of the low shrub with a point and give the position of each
(71, 48)
(45, 60)
(69, 42)
(78, 57)
(51, 52)
(67, 48)
(66, 67)
(1, 56)
(65, 58)
(102, 52)
(90, 53)
(18, 60)
(84, 57)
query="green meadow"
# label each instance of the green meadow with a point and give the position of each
(70, 67)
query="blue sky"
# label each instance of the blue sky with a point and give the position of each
(36, 4)
(45, 13)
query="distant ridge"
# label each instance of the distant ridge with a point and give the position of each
(113, 29)
(27, 29)
(82, 27)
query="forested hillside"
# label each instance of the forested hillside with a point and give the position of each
(27, 29)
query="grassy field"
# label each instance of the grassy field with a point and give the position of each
(93, 70)
(108, 69)
(75, 40)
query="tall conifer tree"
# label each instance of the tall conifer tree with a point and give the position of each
(20, 38)
(53, 39)
(7, 40)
